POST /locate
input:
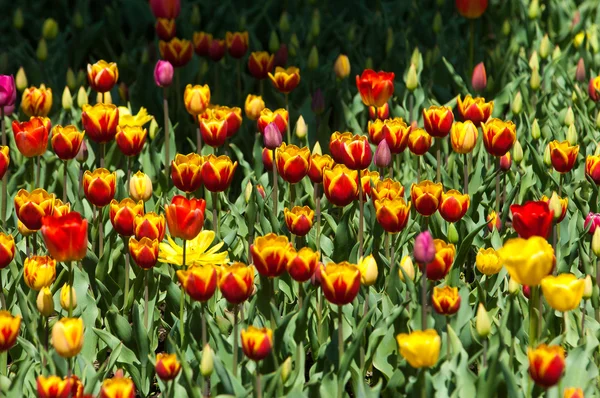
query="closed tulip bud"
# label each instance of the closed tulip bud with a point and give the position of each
(555, 206)
(569, 117)
(389, 43)
(383, 155)
(547, 157)
(284, 22)
(18, 20)
(50, 29)
(407, 266)
(534, 9)
(68, 298)
(517, 104)
(545, 47)
(536, 133)
(78, 20)
(556, 53)
(21, 79)
(163, 73)
(437, 23)
(580, 71)
(67, 99)
(286, 369)
(42, 50)
(272, 137)
(479, 77)
(313, 59)
(506, 28)
(368, 270)
(535, 79)
(588, 287)
(71, 80)
(596, 242)
(534, 62)
(301, 128)
(513, 287)
(483, 323)
(67, 337)
(45, 302)
(207, 363)
(412, 81)
(452, 233)
(317, 149)
(424, 249)
(369, 63)
(82, 97)
(342, 67)
(273, 42)
(415, 57)
(517, 152)
(315, 28)
(572, 135)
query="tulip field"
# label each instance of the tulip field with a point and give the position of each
(300, 199)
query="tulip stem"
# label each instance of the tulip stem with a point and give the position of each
(448, 349)
(498, 190)
(235, 338)
(598, 282)
(318, 214)
(181, 303)
(2, 298)
(128, 164)
(361, 216)
(100, 233)
(289, 133)
(167, 139)
(423, 383)
(239, 79)
(258, 387)
(71, 288)
(147, 276)
(583, 311)
(102, 154)
(274, 183)
(204, 312)
(466, 171)
(438, 144)
(215, 215)
(65, 182)
(533, 299)
(471, 44)
(340, 349)
(5, 177)
(127, 270)
(423, 299)
(484, 355)
(37, 171)
(198, 136)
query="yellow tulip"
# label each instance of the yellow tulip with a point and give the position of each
(527, 261)
(488, 261)
(563, 292)
(420, 348)
(67, 337)
(368, 270)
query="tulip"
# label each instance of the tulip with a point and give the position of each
(381, 113)
(66, 141)
(571, 135)
(217, 172)
(199, 282)
(563, 292)
(140, 187)
(217, 48)
(186, 171)
(280, 117)
(396, 134)
(438, 120)
(39, 272)
(463, 137)
(483, 323)
(573, 392)
(177, 51)
(563, 155)
(202, 41)
(32, 207)
(207, 361)
(592, 221)
(45, 302)
(337, 143)
(102, 76)
(165, 28)
(285, 80)
(557, 205)
(7, 249)
(488, 261)
(421, 348)
(99, 186)
(340, 282)
(293, 162)
(301, 264)
(100, 121)
(412, 80)
(118, 387)
(505, 162)
(269, 254)
(341, 67)
(52, 387)
(272, 137)
(260, 64)
(426, 197)
(8, 91)
(592, 168)
(445, 300)
(165, 9)
(392, 214)
(123, 213)
(167, 366)
(419, 142)
(65, 236)
(594, 88)
(475, 109)
(67, 337)
(368, 270)
(318, 164)
(301, 129)
(532, 219)
(253, 106)
(213, 131)
(37, 101)
(68, 299)
(387, 188)
(196, 98)
(407, 266)
(233, 117)
(356, 153)
(588, 286)
(149, 225)
(479, 77)
(471, 9)
(20, 80)
(31, 137)
(236, 282)
(375, 88)
(383, 156)
(498, 136)
(257, 343)
(368, 179)
(10, 326)
(439, 267)
(4, 160)
(299, 220)
(163, 73)
(546, 364)
(267, 158)
(340, 185)
(454, 205)
(144, 252)
(528, 261)
(424, 248)
(375, 130)
(237, 43)
(185, 217)
(131, 139)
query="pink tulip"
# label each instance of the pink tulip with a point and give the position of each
(163, 73)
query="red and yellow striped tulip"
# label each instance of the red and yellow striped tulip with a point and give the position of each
(301, 264)
(144, 252)
(299, 220)
(340, 185)
(293, 163)
(123, 213)
(37, 101)
(441, 264)
(149, 225)
(498, 136)
(426, 196)
(269, 254)
(217, 172)
(419, 142)
(185, 217)
(32, 207)
(66, 141)
(392, 214)
(257, 343)
(10, 326)
(237, 43)
(131, 139)
(39, 272)
(167, 366)
(438, 120)
(260, 64)
(100, 121)
(177, 51)
(99, 186)
(285, 80)
(236, 282)
(340, 282)
(454, 205)
(199, 282)
(563, 155)
(196, 98)
(474, 109)
(102, 76)
(186, 171)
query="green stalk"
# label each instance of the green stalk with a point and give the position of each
(340, 350)
(71, 287)
(5, 177)
(235, 338)
(289, 133)
(167, 139)
(182, 302)
(361, 215)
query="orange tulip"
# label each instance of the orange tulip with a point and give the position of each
(31, 137)
(236, 282)
(285, 80)
(299, 220)
(498, 136)
(7, 249)
(10, 326)
(396, 133)
(292, 162)
(165, 28)
(392, 214)
(167, 366)
(471, 9)
(66, 141)
(474, 109)
(186, 171)
(237, 43)
(493, 221)
(185, 217)
(123, 213)
(388, 188)
(356, 153)
(257, 343)
(318, 164)
(260, 64)
(39, 272)
(149, 225)
(131, 139)
(100, 121)
(177, 51)
(301, 264)
(202, 42)
(217, 172)
(426, 196)
(592, 167)
(32, 207)
(65, 237)
(419, 142)
(4, 160)
(117, 387)
(454, 205)
(199, 282)
(269, 254)
(340, 185)
(99, 186)
(546, 364)
(144, 252)
(337, 142)
(213, 131)
(340, 282)
(563, 156)
(594, 88)
(375, 88)
(36, 101)
(102, 76)
(441, 264)
(279, 116)
(196, 98)
(253, 106)
(438, 120)
(445, 300)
